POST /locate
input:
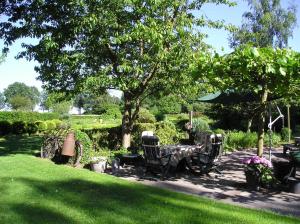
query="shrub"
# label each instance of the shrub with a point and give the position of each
(200, 125)
(276, 139)
(13, 116)
(5, 128)
(166, 132)
(42, 126)
(51, 125)
(239, 139)
(57, 123)
(87, 146)
(18, 127)
(285, 133)
(145, 116)
(31, 128)
(104, 138)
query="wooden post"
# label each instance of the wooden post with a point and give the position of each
(289, 121)
(191, 119)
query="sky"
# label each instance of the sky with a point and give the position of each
(13, 70)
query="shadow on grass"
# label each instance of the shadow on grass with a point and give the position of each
(82, 201)
(15, 144)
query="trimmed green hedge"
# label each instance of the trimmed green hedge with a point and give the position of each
(21, 127)
(13, 116)
(110, 138)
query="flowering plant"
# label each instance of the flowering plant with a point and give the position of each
(259, 167)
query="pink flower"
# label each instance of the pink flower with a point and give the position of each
(256, 160)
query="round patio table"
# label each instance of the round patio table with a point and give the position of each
(180, 152)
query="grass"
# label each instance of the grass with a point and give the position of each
(34, 190)
(93, 121)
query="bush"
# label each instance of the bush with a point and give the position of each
(285, 133)
(145, 116)
(42, 125)
(237, 140)
(200, 125)
(18, 127)
(166, 132)
(57, 123)
(5, 128)
(104, 138)
(276, 139)
(51, 125)
(13, 116)
(31, 128)
(87, 146)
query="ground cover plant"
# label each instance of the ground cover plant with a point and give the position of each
(37, 191)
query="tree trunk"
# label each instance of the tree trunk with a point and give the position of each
(126, 122)
(261, 123)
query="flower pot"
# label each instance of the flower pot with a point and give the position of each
(69, 145)
(282, 169)
(99, 164)
(253, 180)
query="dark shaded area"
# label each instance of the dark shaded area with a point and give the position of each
(115, 202)
(16, 144)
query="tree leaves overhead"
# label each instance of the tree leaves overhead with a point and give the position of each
(123, 44)
(250, 69)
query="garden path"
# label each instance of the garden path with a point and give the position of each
(229, 187)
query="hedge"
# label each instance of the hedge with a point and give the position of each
(111, 138)
(13, 116)
(21, 127)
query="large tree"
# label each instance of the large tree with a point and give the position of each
(267, 24)
(19, 96)
(136, 46)
(263, 71)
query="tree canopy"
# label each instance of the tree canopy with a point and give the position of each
(264, 71)
(19, 96)
(266, 25)
(137, 46)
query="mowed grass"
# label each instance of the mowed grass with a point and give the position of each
(34, 190)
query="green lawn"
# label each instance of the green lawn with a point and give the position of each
(34, 190)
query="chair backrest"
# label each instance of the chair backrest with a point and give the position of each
(216, 146)
(150, 145)
(147, 133)
(213, 149)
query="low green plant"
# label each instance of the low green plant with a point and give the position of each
(276, 139)
(285, 134)
(239, 139)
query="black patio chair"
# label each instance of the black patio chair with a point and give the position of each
(209, 159)
(153, 156)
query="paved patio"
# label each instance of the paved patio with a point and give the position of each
(229, 187)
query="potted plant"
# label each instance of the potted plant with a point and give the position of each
(98, 164)
(258, 171)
